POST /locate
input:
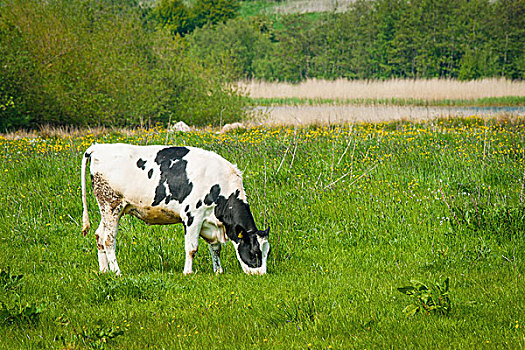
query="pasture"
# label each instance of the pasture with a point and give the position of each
(356, 211)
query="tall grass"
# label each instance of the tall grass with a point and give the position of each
(305, 6)
(355, 211)
(406, 89)
(480, 102)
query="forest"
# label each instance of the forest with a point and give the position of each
(131, 63)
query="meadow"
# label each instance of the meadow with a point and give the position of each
(360, 214)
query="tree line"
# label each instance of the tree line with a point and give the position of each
(134, 63)
(380, 39)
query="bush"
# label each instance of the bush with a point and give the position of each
(92, 63)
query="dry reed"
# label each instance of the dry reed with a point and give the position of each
(304, 6)
(425, 89)
(49, 131)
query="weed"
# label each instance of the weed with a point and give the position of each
(95, 337)
(19, 314)
(9, 281)
(432, 299)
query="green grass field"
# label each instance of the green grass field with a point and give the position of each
(355, 211)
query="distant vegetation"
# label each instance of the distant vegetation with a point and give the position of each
(372, 40)
(131, 63)
(101, 63)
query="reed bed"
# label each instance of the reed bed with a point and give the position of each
(305, 6)
(426, 89)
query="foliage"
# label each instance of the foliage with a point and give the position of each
(173, 15)
(384, 39)
(88, 63)
(9, 281)
(434, 299)
(97, 336)
(236, 49)
(20, 314)
(181, 19)
(213, 11)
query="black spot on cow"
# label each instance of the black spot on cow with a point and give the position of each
(190, 219)
(187, 209)
(150, 173)
(141, 164)
(173, 177)
(236, 216)
(199, 203)
(211, 197)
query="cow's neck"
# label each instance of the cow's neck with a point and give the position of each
(236, 216)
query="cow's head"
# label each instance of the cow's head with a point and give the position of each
(252, 251)
(251, 245)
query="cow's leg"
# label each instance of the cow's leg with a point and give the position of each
(99, 237)
(215, 251)
(110, 247)
(106, 235)
(111, 208)
(192, 227)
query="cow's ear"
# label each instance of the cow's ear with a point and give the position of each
(264, 234)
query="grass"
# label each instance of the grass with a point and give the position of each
(355, 211)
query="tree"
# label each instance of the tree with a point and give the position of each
(173, 15)
(213, 11)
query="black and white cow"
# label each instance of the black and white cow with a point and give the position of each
(166, 185)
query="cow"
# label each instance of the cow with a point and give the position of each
(167, 185)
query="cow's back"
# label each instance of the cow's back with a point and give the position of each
(149, 175)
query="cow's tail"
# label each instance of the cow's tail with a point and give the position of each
(85, 216)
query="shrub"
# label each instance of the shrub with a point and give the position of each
(95, 63)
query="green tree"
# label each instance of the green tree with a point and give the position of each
(173, 15)
(508, 37)
(234, 48)
(213, 11)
